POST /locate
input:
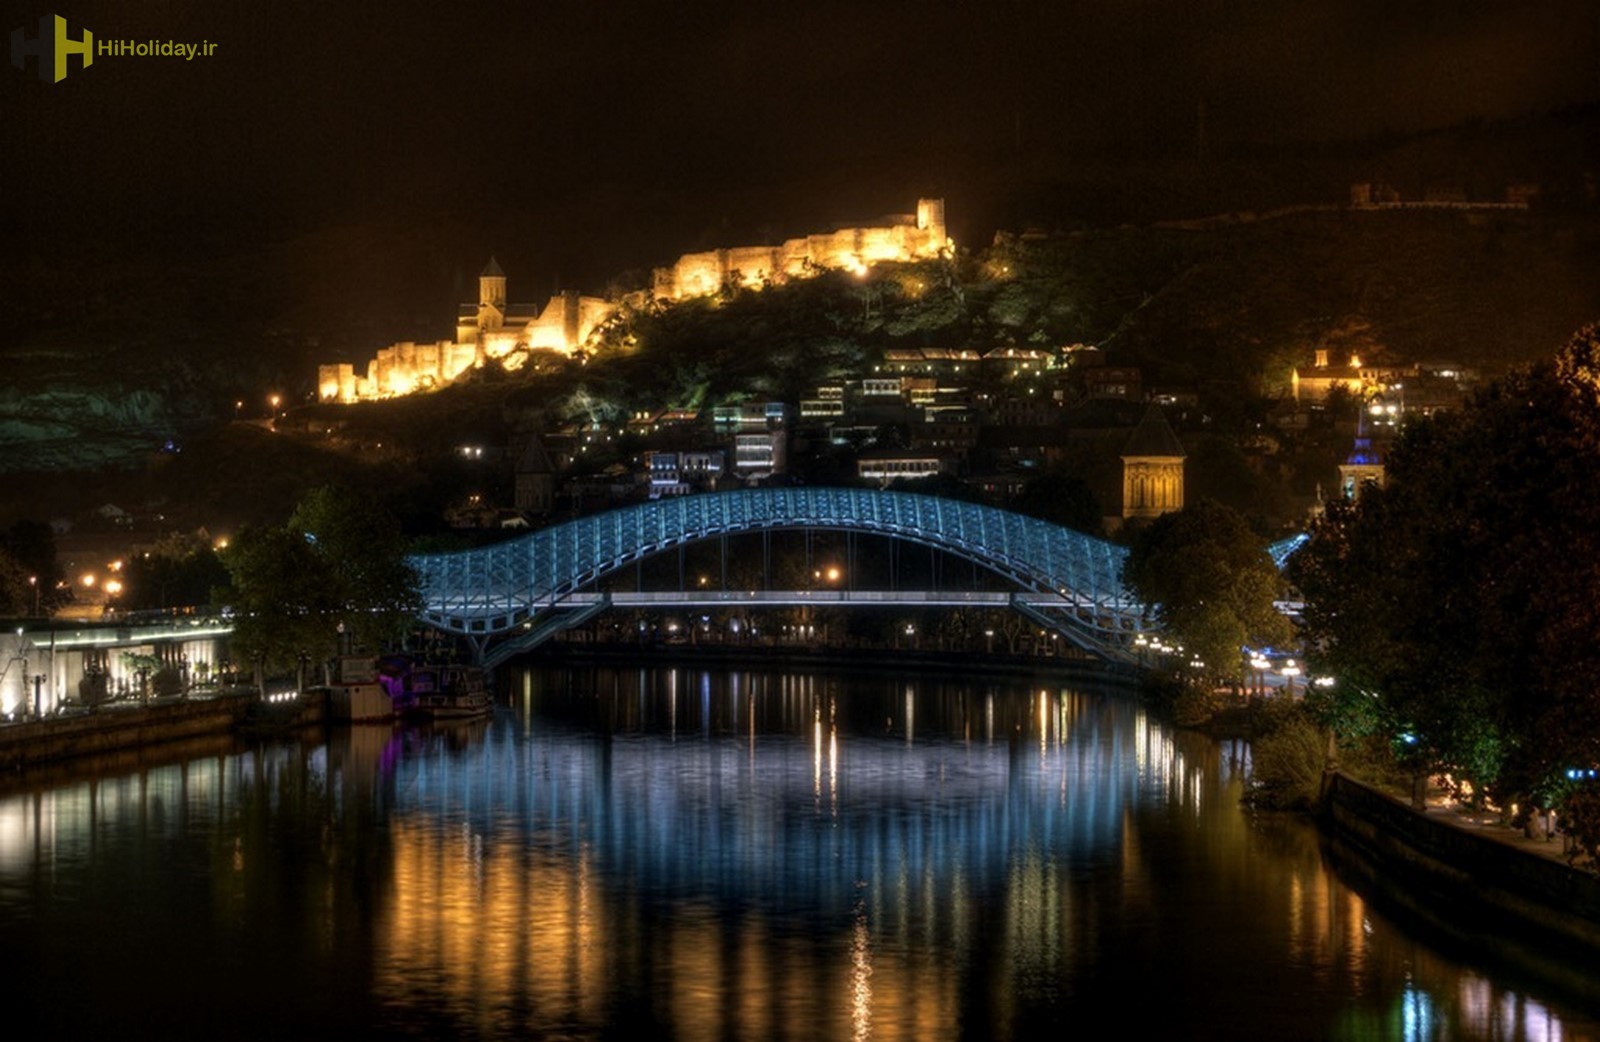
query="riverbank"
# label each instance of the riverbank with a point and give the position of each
(118, 727)
(1469, 879)
(128, 727)
(1482, 885)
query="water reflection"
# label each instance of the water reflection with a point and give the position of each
(720, 855)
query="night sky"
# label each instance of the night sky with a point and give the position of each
(311, 115)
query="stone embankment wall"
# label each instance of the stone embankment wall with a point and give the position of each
(1458, 878)
(114, 729)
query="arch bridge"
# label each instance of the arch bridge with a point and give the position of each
(509, 597)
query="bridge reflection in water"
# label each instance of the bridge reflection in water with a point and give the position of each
(719, 855)
(749, 856)
(797, 861)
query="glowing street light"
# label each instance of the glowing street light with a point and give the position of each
(1260, 667)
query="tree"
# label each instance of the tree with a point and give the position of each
(363, 552)
(16, 593)
(31, 546)
(180, 570)
(337, 567)
(1211, 585)
(1456, 604)
(282, 607)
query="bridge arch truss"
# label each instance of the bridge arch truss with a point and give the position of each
(498, 589)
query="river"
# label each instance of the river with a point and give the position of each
(688, 854)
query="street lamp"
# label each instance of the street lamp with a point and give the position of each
(33, 581)
(1260, 664)
(1289, 671)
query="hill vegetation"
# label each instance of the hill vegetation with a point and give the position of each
(111, 359)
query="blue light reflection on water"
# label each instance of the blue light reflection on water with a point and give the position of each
(774, 856)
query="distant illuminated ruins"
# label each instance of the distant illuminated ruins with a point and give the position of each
(898, 237)
(492, 329)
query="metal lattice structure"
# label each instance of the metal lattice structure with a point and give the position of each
(498, 590)
(1284, 549)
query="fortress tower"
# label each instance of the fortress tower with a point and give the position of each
(930, 218)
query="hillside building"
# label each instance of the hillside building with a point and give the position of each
(534, 479)
(1152, 468)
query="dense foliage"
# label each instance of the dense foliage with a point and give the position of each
(1457, 604)
(1287, 757)
(1212, 584)
(336, 572)
(179, 570)
(28, 569)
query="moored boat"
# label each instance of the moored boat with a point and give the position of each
(425, 691)
(356, 694)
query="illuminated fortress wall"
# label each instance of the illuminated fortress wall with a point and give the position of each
(497, 333)
(494, 330)
(897, 237)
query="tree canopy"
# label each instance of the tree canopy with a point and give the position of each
(28, 567)
(338, 566)
(1212, 585)
(180, 570)
(1457, 604)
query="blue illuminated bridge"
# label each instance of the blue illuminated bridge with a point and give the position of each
(509, 597)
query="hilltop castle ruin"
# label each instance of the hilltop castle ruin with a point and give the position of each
(493, 329)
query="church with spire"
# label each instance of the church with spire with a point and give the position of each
(1363, 467)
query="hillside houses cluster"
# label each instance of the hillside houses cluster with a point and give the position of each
(1388, 393)
(991, 419)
